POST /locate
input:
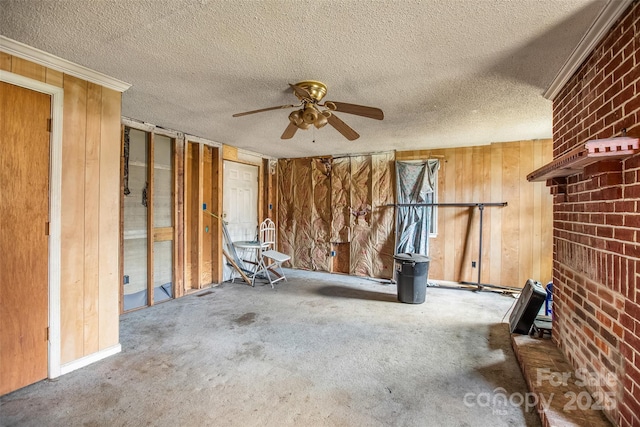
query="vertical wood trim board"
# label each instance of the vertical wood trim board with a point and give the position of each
(207, 220)
(199, 214)
(150, 239)
(178, 217)
(511, 271)
(108, 226)
(73, 211)
(216, 206)
(188, 216)
(92, 217)
(495, 262)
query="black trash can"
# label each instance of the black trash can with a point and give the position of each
(411, 277)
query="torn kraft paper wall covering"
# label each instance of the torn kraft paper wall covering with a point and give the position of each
(321, 214)
(331, 215)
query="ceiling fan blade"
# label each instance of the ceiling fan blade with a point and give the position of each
(289, 131)
(263, 109)
(300, 91)
(358, 110)
(343, 128)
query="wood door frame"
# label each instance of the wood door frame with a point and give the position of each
(259, 198)
(178, 159)
(55, 224)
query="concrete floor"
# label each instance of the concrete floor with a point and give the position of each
(320, 349)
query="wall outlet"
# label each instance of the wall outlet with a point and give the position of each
(473, 264)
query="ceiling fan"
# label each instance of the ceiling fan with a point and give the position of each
(314, 113)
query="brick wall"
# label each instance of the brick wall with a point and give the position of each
(596, 269)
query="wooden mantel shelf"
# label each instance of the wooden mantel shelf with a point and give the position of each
(593, 151)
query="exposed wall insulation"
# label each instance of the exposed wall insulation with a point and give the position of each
(321, 214)
(341, 214)
(327, 220)
(383, 218)
(303, 201)
(340, 200)
(360, 219)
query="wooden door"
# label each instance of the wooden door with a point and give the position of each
(24, 255)
(240, 202)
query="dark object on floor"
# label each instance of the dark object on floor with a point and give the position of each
(548, 302)
(541, 326)
(411, 276)
(527, 307)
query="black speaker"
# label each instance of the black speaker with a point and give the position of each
(527, 307)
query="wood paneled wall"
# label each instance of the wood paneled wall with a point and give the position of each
(517, 239)
(90, 206)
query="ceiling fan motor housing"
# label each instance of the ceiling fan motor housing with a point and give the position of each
(317, 90)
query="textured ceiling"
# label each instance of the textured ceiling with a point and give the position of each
(445, 73)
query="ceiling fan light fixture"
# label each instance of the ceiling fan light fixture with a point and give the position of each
(310, 115)
(294, 117)
(322, 120)
(303, 125)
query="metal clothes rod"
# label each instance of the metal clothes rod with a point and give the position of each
(480, 206)
(458, 205)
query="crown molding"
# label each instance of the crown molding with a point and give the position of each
(21, 50)
(600, 27)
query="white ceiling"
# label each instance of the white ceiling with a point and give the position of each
(445, 72)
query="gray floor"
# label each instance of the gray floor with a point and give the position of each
(320, 349)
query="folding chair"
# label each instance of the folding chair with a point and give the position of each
(269, 259)
(232, 256)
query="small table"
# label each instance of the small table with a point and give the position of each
(254, 246)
